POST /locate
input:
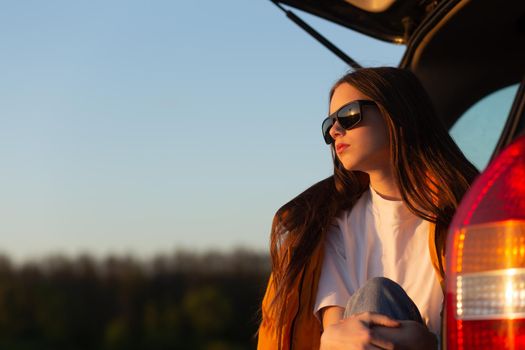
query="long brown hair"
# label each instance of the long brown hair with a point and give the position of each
(431, 172)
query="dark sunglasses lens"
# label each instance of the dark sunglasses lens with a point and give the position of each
(349, 115)
(326, 126)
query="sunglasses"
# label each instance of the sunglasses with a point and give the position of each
(347, 116)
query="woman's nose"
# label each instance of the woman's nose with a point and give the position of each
(336, 130)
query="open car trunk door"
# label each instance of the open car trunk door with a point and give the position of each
(387, 20)
(461, 50)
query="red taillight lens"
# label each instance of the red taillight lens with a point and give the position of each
(485, 301)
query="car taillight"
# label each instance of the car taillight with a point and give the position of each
(485, 295)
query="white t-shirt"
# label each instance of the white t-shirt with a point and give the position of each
(380, 237)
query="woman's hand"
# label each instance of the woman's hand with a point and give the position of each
(375, 331)
(410, 335)
(358, 332)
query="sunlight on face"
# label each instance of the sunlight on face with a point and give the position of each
(368, 142)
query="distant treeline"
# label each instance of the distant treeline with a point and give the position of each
(181, 301)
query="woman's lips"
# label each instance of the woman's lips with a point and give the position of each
(341, 147)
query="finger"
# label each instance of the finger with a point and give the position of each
(379, 320)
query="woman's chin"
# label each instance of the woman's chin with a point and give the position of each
(349, 166)
(352, 166)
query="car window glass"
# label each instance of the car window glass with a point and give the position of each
(477, 131)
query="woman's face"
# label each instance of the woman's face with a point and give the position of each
(367, 144)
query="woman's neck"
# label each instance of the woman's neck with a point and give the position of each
(384, 183)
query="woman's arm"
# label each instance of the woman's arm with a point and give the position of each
(331, 315)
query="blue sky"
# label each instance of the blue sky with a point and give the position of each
(142, 127)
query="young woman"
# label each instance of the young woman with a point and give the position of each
(371, 237)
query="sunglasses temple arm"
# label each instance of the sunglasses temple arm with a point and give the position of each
(319, 37)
